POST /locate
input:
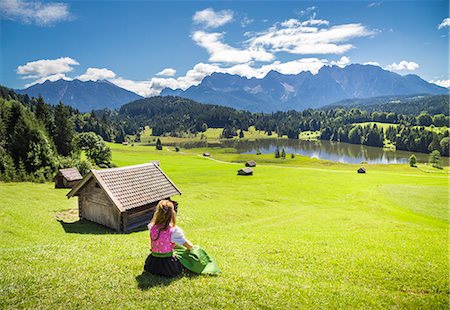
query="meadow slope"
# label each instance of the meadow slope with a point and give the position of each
(301, 234)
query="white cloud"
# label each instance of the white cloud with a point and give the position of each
(142, 88)
(443, 83)
(95, 74)
(35, 12)
(344, 61)
(308, 11)
(46, 67)
(373, 63)
(374, 4)
(293, 23)
(403, 66)
(221, 52)
(167, 72)
(444, 23)
(305, 37)
(246, 21)
(212, 19)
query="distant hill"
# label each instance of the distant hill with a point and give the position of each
(84, 96)
(280, 92)
(407, 104)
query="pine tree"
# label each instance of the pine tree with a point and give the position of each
(283, 154)
(9, 169)
(44, 114)
(64, 130)
(158, 145)
(277, 153)
(21, 172)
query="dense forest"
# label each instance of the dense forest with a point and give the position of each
(36, 138)
(408, 105)
(177, 116)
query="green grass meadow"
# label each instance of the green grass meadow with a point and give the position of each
(299, 234)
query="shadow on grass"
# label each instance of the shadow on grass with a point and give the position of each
(87, 227)
(146, 280)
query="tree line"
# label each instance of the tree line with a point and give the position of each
(177, 116)
(36, 139)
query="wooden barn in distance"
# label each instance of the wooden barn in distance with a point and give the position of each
(122, 198)
(67, 178)
(250, 163)
(245, 171)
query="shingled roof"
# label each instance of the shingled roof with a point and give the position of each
(132, 186)
(71, 174)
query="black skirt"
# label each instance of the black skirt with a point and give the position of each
(163, 266)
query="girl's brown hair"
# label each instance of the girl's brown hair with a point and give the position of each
(164, 215)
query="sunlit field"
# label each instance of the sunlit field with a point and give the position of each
(299, 233)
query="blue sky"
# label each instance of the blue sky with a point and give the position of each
(145, 46)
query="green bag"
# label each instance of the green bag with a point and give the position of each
(196, 260)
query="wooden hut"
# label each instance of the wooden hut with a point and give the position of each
(250, 163)
(245, 171)
(122, 198)
(362, 170)
(67, 178)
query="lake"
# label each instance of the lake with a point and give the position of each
(329, 150)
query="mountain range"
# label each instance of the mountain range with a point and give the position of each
(85, 96)
(274, 92)
(283, 92)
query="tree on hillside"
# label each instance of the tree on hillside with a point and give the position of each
(229, 132)
(64, 130)
(424, 119)
(412, 160)
(277, 153)
(120, 136)
(445, 146)
(435, 159)
(45, 115)
(434, 145)
(439, 120)
(355, 135)
(283, 154)
(94, 146)
(374, 137)
(241, 134)
(7, 167)
(158, 145)
(25, 141)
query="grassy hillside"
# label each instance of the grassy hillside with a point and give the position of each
(385, 126)
(305, 234)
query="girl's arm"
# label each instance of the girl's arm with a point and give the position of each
(178, 237)
(188, 245)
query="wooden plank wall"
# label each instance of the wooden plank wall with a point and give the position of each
(138, 217)
(96, 207)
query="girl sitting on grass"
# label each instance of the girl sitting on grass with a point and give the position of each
(163, 235)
